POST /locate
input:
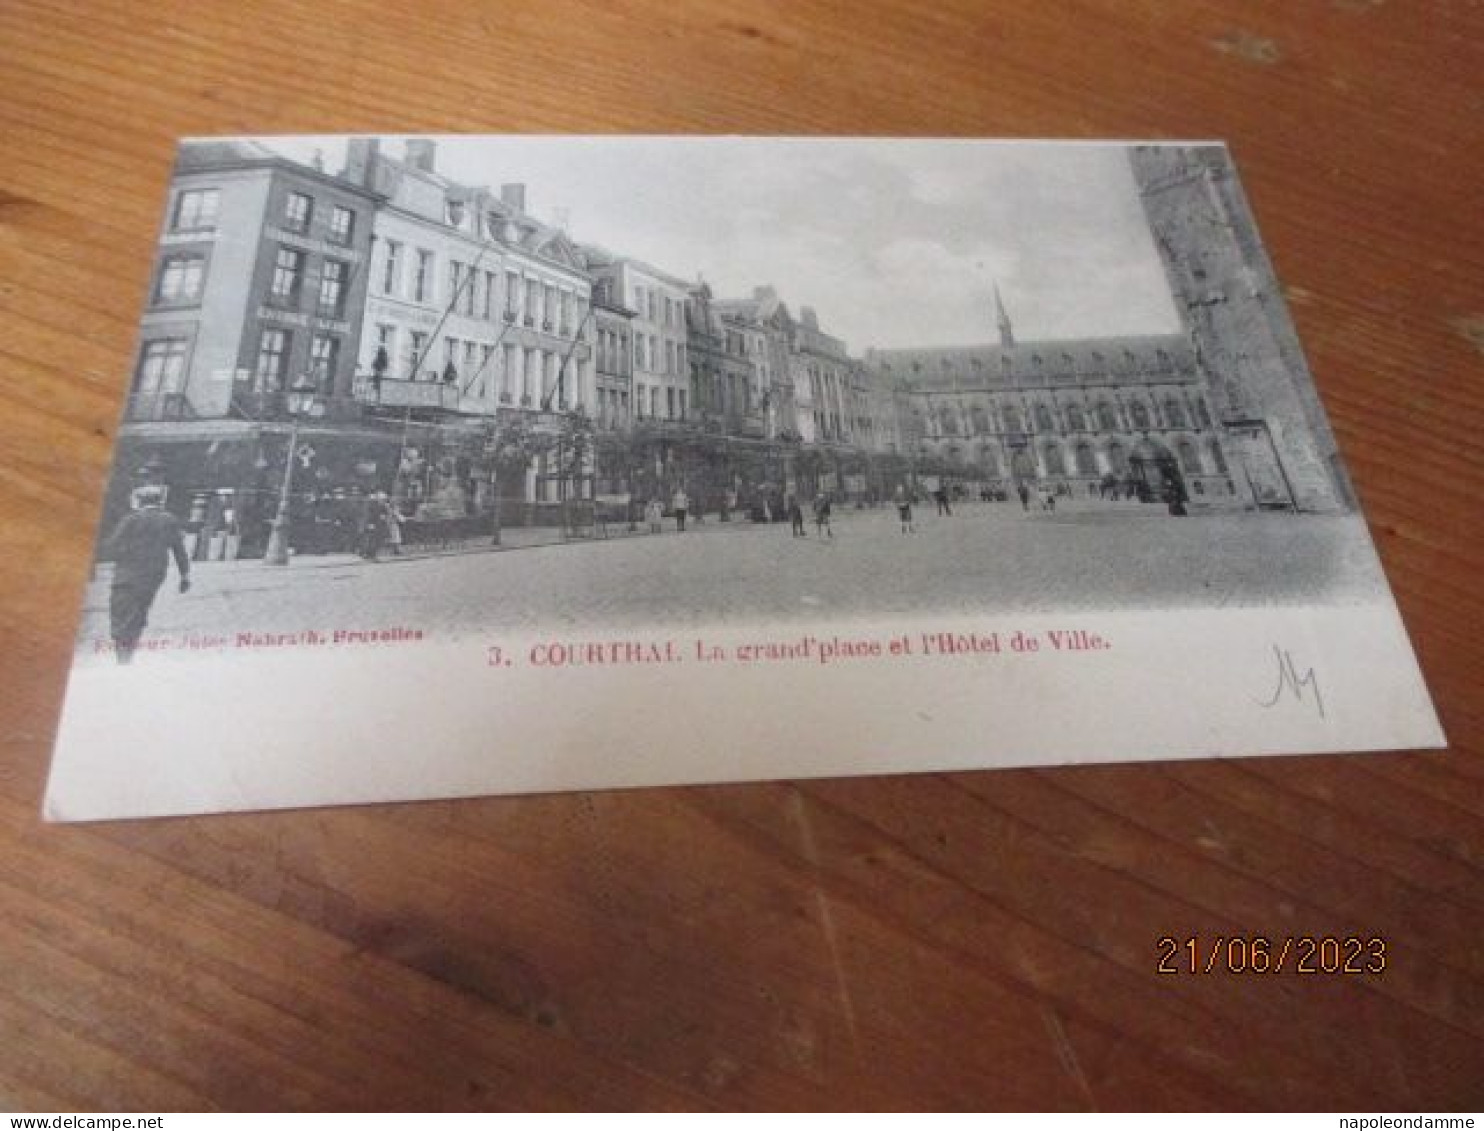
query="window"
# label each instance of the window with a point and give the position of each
(1218, 457)
(421, 281)
(419, 347)
(196, 210)
(389, 267)
(455, 282)
(296, 212)
(342, 224)
(1190, 460)
(485, 353)
(471, 291)
(180, 279)
(324, 352)
(512, 296)
(510, 375)
(161, 366)
(273, 359)
(288, 269)
(1055, 464)
(332, 288)
(471, 364)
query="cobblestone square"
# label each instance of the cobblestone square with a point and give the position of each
(985, 558)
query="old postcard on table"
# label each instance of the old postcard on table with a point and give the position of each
(470, 465)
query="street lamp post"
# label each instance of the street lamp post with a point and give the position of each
(277, 553)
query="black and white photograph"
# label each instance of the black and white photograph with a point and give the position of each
(393, 393)
(701, 380)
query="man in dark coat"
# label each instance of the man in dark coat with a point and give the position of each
(141, 547)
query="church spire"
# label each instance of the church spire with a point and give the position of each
(1007, 332)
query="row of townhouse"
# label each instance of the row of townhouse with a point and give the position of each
(380, 309)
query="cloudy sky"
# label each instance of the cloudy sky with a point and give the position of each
(894, 243)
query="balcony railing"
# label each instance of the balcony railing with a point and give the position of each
(391, 392)
(160, 406)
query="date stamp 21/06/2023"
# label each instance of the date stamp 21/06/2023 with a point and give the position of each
(1264, 954)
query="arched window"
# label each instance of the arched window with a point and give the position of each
(1190, 461)
(1087, 463)
(1118, 458)
(1013, 421)
(1055, 464)
(1218, 457)
(1139, 414)
(1174, 413)
(1043, 419)
(1107, 417)
(1075, 420)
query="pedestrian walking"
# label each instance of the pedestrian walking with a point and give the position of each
(393, 529)
(822, 508)
(796, 517)
(141, 547)
(904, 510)
(680, 503)
(373, 527)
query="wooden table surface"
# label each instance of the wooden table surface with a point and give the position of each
(965, 940)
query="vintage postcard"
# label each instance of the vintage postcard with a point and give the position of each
(468, 465)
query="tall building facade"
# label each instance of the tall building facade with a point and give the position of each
(248, 339)
(821, 370)
(614, 361)
(1239, 331)
(474, 305)
(722, 374)
(258, 287)
(1070, 416)
(767, 329)
(658, 331)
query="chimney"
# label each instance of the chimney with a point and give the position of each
(420, 153)
(360, 159)
(513, 196)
